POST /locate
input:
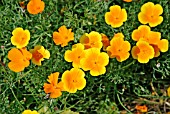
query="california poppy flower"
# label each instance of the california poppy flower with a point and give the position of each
(75, 55)
(141, 32)
(30, 112)
(168, 91)
(93, 39)
(144, 33)
(127, 0)
(95, 61)
(150, 13)
(119, 48)
(143, 108)
(63, 36)
(19, 59)
(54, 88)
(143, 52)
(105, 41)
(73, 80)
(38, 54)
(35, 6)
(20, 37)
(116, 16)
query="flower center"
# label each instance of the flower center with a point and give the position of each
(37, 55)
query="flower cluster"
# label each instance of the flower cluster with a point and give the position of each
(19, 56)
(87, 54)
(149, 44)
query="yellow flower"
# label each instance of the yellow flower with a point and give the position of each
(30, 112)
(75, 55)
(168, 91)
(93, 39)
(38, 54)
(119, 48)
(143, 52)
(73, 80)
(35, 6)
(150, 13)
(54, 88)
(20, 37)
(19, 59)
(63, 36)
(116, 16)
(95, 61)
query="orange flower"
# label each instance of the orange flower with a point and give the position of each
(143, 108)
(73, 80)
(95, 61)
(30, 112)
(105, 41)
(150, 13)
(54, 88)
(93, 39)
(144, 33)
(119, 48)
(143, 52)
(141, 32)
(63, 36)
(127, 0)
(75, 55)
(116, 16)
(19, 59)
(38, 54)
(35, 6)
(20, 37)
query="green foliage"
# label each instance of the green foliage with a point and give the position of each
(110, 93)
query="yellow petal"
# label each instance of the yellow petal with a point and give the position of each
(163, 45)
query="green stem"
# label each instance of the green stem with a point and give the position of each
(122, 104)
(65, 101)
(124, 67)
(16, 98)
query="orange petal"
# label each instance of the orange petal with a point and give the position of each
(14, 54)
(98, 70)
(16, 66)
(56, 93)
(163, 45)
(135, 51)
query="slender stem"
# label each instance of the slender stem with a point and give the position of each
(127, 65)
(65, 101)
(122, 104)
(16, 98)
